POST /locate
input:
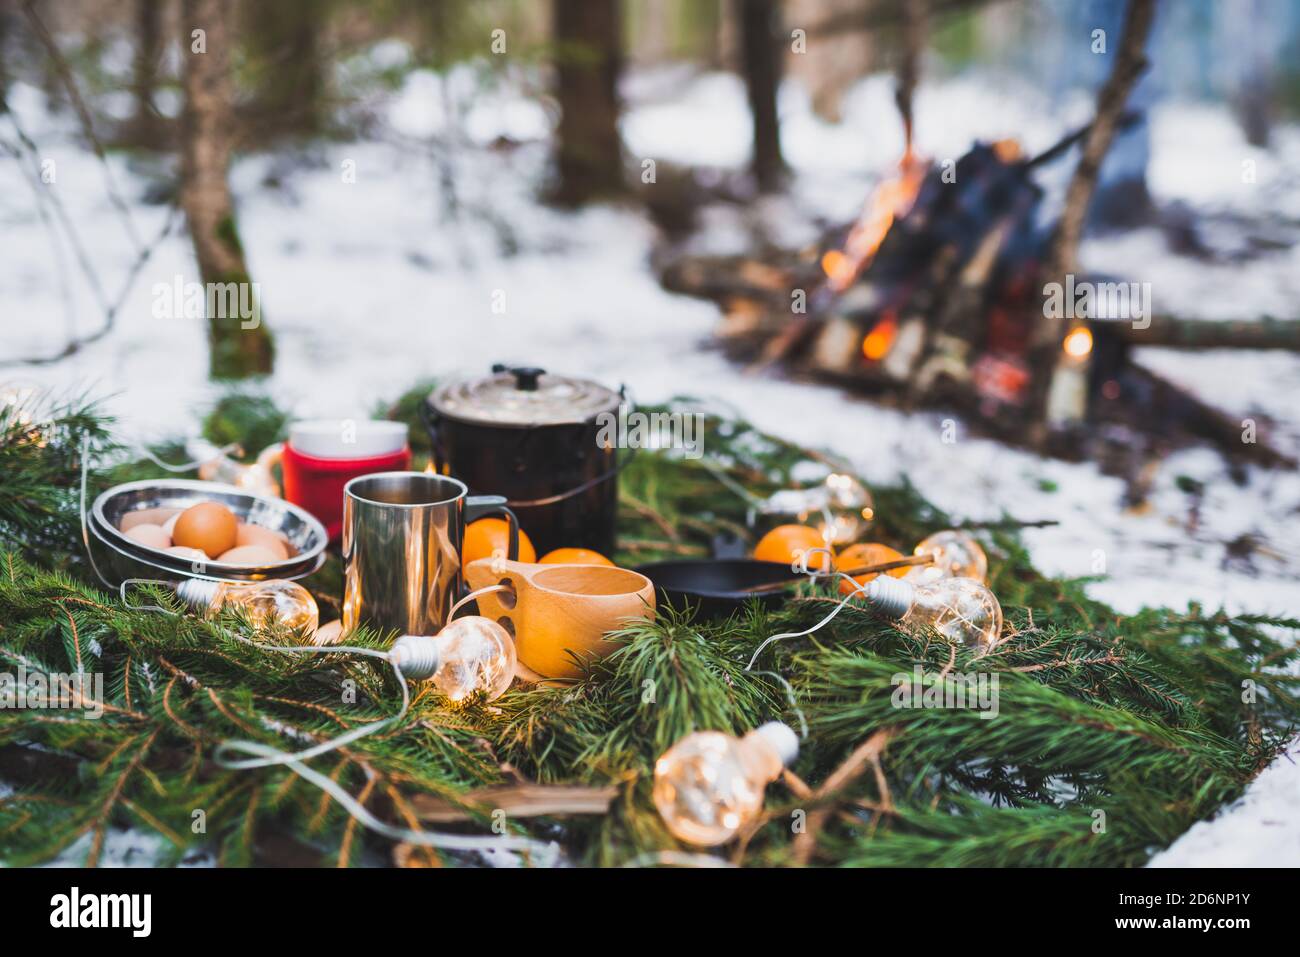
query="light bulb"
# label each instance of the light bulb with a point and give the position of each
(956, 555)
(472, 654)
(849, 509)
(840, 507)
(263, 601)
(960, 609)
(709, 784)
(216, 466)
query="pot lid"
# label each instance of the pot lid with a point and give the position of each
(523, 396)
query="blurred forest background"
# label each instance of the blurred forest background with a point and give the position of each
(279, 78)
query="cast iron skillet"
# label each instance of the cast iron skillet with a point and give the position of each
(722, 586)
(717, 586)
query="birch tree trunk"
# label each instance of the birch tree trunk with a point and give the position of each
(1062, 253)
(241, 345)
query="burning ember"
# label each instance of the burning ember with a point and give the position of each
(881, 337)
(892, 199)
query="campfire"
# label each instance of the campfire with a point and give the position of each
(932, 296)
(892, 199)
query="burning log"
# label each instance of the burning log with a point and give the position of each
(932, 296)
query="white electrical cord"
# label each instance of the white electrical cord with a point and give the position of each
(859, 588)
(414, 656)
(451, 842)
(190, 466)
(269, 757)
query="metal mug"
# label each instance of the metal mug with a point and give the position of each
(402, 535)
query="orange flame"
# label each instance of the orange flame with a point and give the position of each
(891, 199)
(881, 338)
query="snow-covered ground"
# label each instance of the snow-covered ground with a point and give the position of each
(373, 284)
(1262, 829)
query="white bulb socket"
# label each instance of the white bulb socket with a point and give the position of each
(198, 592)
(416, 656)
(781, 739)
(890, 596)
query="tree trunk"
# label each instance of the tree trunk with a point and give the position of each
(1062, 254)
(283, 40)
(6, 32)
(240, 345)
(909, 65)
(761, 61)
(588, 43)
(146, 125)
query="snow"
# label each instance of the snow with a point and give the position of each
(1262, 829)
(1193, 288)
(373, 285)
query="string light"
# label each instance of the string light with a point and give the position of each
(263, 601)
(472, 654)
(956, 555)
(962, 610)
(839, 506)
(214, 464)
(710, 784)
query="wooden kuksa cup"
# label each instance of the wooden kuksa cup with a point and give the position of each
(557, 612)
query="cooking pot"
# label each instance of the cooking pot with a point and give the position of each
(534, 438)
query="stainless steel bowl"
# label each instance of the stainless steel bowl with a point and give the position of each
(119, 557)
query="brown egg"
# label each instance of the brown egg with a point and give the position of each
(150, 535)
(257, 535)
(193, 554)
(248, 555)
(209, 527)
(146, 516)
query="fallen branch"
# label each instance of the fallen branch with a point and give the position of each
(1173, 332)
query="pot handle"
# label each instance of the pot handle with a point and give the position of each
(619, 465)
(430, 423)
(480, 506)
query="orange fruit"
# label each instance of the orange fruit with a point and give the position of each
(867, 553)
(491, 536)
(785, 543)
(574, 556)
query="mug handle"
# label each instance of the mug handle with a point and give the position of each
(479, 506)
